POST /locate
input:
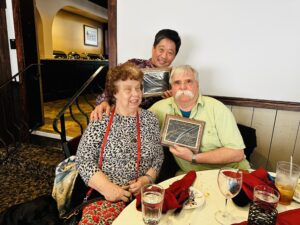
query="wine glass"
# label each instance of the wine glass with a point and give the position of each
(230, 183)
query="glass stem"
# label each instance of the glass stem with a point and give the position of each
(226, 207)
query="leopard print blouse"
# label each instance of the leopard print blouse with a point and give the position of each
(120, 153)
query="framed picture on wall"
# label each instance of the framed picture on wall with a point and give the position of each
(182, 131)
(90, 35)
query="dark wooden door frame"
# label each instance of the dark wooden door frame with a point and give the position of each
(27, 54)
(112, 32)
(5, 70)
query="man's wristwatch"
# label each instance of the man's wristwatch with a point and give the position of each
(194, 158)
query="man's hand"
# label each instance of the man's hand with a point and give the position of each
(167, 94)
(104, 107)
(182, 152)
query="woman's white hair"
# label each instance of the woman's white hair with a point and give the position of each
(183, 69)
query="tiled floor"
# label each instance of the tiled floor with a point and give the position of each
(51, 109)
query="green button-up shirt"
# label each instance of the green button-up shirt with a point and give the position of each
(220, 129)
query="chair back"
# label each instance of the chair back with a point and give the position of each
(70, 147)
(249, 137)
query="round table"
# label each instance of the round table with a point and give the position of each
(206, 182)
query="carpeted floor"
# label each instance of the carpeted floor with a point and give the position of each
(29, 171)
(27, 174)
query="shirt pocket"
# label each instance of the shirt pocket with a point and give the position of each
(210, 139)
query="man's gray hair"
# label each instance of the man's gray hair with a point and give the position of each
(183, 69)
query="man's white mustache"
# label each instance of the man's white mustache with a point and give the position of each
(184, 92)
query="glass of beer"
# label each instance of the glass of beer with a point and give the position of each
(152, 203)
(287, 175)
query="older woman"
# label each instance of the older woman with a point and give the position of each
(121, 153)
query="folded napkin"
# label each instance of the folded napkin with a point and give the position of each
(175, 194)
(250, 180)
(290, 217)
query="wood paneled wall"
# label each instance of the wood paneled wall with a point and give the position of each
(277, 131)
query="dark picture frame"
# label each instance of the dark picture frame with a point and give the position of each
(182, 131)
(156, 81)
(90, 35)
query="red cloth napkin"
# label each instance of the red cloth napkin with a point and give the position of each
(257, 177)
(290, 217)
(175, 194)
(250, 180)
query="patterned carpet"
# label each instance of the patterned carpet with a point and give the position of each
(29, 170)
(27, 174)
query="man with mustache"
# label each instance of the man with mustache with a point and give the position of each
(222, 144)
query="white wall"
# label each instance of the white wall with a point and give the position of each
(241, 48)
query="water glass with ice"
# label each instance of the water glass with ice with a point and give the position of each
(287, 175)
(152, 203)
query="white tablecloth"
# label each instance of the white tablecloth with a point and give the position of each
(206, 182)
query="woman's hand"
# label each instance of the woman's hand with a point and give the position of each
(136, 185)
(182, 152)
(116, 193)
(97, 112)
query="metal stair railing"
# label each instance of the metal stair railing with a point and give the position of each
(14, 127)
(60, 117)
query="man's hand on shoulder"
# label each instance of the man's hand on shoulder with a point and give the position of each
(167, 94)
(96, 114)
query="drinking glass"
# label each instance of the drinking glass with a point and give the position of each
(230, 183)
(266, 195)
(287, 175)
(262, 214)
(152, 203)
(262, 210)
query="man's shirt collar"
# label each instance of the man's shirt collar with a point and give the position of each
(174, 106)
